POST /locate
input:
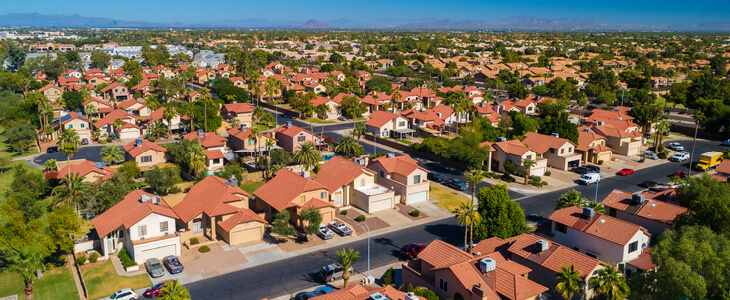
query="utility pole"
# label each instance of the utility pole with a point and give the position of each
(366, 226)
(692, 155)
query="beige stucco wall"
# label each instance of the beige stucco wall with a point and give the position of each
(157, 158)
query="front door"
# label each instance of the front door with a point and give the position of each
(197, 228)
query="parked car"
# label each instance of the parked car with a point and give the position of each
(154, 267)
(676, 146)
(124, 294)
(325, 233)
(457, 184)
(342, 118)
(647, 135)
(340, 228)
(52, 149)
(410, 251)
(589, 178)
(580, 170)
(435, 176)
(173, 264)
(593, 169)
(680, 156)
(154, 290)
(648, 184)
(625, 171)
(726, 143)
(305, 295)
(649, 155)
(323, 290)
(680, 174)
(331, 272)
(84, 141)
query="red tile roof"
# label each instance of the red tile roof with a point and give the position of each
(643, 262)
(208, 140)
(443, 255)
(403, 165)
(133, 150)
(512, 147)
(541, 143)
(338, 172)
(285, 187)
(243, 215)
(651, 209)
(359, 292)
(210, 196)
(74, 116)
(85, 168)
(724, 167)
(214, 154)
(110, 117)
(238, 107)
(603, 226)
(130, 211)
(380, 118)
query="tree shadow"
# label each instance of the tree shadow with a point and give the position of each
(449, 233)
(384, 241)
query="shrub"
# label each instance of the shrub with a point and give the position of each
(194, 241)
(536, 178)
(388, 277)
(204, 249)
(151, 138)
(81, 259)
(315, 170)
(93, 257)
(520, 174)
(548, 173)
(660, 148)
(174, 190)
(126, 260)
(642, 159)
(600, 162)
(344, 212)
(663, 154)
(508, 178)
(109, 139)
(360, 218)
(415, 213)
(509, 167)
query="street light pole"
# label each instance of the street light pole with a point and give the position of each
(375, 144)
(366, 226)
(596, 197)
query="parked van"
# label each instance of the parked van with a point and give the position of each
(589, 178)
(331, 272)
(680, 156)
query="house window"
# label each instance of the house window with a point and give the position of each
(401, 123)
(443, 285)
(591, 254)
(612, 212)
(217, 161)
(146, 159)
(70, 126)
(301, 138)
(576, 249)
(163, 226)
(603, 143)
(382, 174)
(142, 230)
(560, 227)
(633, 246)
(362, 182)
(552, 150)
(251, 142)
(528, 157)
(562, 151)
(323, 195)
(570, 150)
(416, 179)
(82, 125)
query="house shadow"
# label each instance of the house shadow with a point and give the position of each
(449, 233)
(313, 277)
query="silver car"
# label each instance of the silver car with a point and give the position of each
(650, 155)
(325, 233)
(154, 267)
(123, 294)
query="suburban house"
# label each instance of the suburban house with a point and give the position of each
(334, 108)
(403, 175)
(115, 91)
(359, 292)
(424, 118)
(91, 171)
(611, 240)
(544, 258)
(214, 145)
(592, 146)
(217, 208)
(106, 124)
(241, 111)
(515, 152)
(242, 142)
(75, 122)
(51, 92)
(384, 124)
(102, 107)
(293, 192)
(656, 216)
(290, 137)
(147, 154)
(352, 184)
(174, 124)
(558, 152)
(622, 142)
(134, 107)
(143, 224)
(452, 273)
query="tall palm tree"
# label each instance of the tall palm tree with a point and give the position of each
(571, 198)
(272, 87)
(91, 110)
(569, 282)
(610, 284)
(597, 207)
(196, 159)
(47, 110)
(474, 176)
(345, 258)
(528, 164)
(71, 189)
(467, 215)
(69, 143)
(255, 137)
(269, 145)
(582, 101)
(173, 290)
(360, 130)
(168, 115)
(118, 123)
(322, 110)
(307, 155)
(660, 127)
(347, 144)
(25, 262)
(152, 102)
(111, 154)
(394, 97)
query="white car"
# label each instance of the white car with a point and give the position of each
(680, 156)
(123, 294)
(676, 146)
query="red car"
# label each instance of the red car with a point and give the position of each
(411, 250)
(680, 174)
(625, 171)
(84, 141)
(154, 290)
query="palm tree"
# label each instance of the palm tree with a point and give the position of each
(395, 96)
(569, 199)
(610, 284)
(91, 110)
(360, 130)
(307, 155)
(50, 165)
(474, 176)
(196, 159)
(168, 115)
(528, 164)
(467, 215)
(25, 262)
(152, 102)
(272, 87)
(569, 282)
(174, 291)
(660, 128)
(72, 188)
(582, 101)
(269, 145)
(118, 123)
(111, 154)
(345, 258)
(597, 207)
(69, 143)
(255, 135)
(347, 144)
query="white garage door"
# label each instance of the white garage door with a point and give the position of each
(382, 204)
(84, 136)
(417, 197)
(129, 134)
(159, 253)
(246, 235)
(537, 172)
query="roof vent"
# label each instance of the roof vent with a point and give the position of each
(99, 165)
(243, 127)
(501, 139)
(587, 129)
(201, 132)
(601, 123)
(588, 212)
(438, 114)
(138, 142)
(233, 181)
(156, 200)
(637, 198)
(620, 118)
(411, 296)
(542, 245)
(288, 124)
(378, 296)
(555, 135)
(145, 198)
(390, 155)
(305, 174)
(487, 265)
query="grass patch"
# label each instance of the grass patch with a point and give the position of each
(660, 102)
(102, 280)
(250, 187)
(57, 283)
(6, 152)
(11, 284)
(318, 121)
(407, 142)
(447, 199)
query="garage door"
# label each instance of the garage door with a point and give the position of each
(417, 197)
(246, 235)
(537, 172)
(382, 204)
(159, 253)
(129, 134)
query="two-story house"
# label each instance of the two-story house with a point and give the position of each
(353, 184)
(214, 145)
(332, 105)
(143, 224)
(101, 107)
(592, 146)
(134, 107)
(107, 127)
(115, 92)
(404, 175)
(516, 152)
(294, 193)
(51, 92)
(611, 240)
(560, 153)
(219, 208)
(147, 154)
(242, 142)
(622, 142)
(290, 137)
(174, 124)
(77, 123)
(384, 124)
(241, 111)
(656, 216)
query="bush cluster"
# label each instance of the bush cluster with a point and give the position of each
(93, 257)
(415, 213)
(204, 249)
(194, 241)
(81, 259)
(126, 260)
(360, 218)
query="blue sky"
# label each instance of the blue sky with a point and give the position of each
(652, 12)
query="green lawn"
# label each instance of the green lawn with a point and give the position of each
(660, 103)
(6, 152)
(318, 121)
(56, 284)
(102, 280)
(11, 284)
(407, 142)
(250, 187)
(448, 199)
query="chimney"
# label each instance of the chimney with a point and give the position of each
(156, 200)
(588, 213)
(233, 181)
(138, 142)
(542, 245)
(145, 198)
(201, 133)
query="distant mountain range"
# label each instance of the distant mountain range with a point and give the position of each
(511, 23)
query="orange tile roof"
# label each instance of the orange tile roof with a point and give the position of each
(209, 196)
(603, 226)
(238, 107)
(209, 139)
(603, 115)
(724, 167)
(643, 262)
(285, 187)
(443, 255)
(403, 165)
(610, 130)
(243, 215)
(133, 150)
(130, 211)
(110, 117)
(157, 114)
(541, 143)
(651, 209)
(338, 172)
(214, 154)
(359, 292)
(512, 147)
(380, 118)
(85, 168)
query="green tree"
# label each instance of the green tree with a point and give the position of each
(173, 290)
(660, 128)
(71, 190)
(307, 155)
(528, 163)
(582, 101)
(16, 56)
(25, 261)
(352, 107)
(54, 69)
(610, 284)
(500, 216)
(349, 146)
(522, 124)
(281, 225)
(69, 143)
(159, 181)
(569, 282)
(313, 218)
(645, 116)
(466, 215)
(517, 90)
(100, 60)
(196, 159)
(570, 199)
(706, 199)
(474, 176)
(112, 154)
(62, 221)
(50, 165)
(560, 125)
(22, 133)
(129, 169)
(345, 258)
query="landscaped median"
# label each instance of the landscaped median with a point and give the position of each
(448, 199)
(102, 280)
